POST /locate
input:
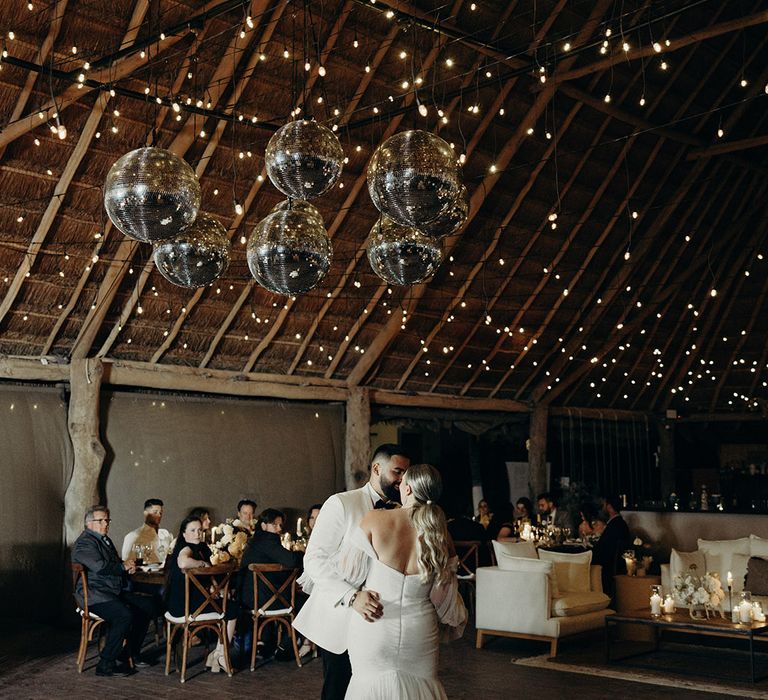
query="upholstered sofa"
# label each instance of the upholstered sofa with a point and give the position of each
(538, 595)
(722, 556)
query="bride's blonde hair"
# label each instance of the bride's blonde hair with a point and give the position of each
(429, 522)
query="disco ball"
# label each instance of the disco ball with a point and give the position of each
(151, 194)
(304, 159)
(402, 254)
(289, 252)
(413, 177)
(452, 219)
(195, 257)
(300, 205)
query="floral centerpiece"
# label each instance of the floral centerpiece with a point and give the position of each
(228, 541)
(702, 595)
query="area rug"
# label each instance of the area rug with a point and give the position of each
(663, 668)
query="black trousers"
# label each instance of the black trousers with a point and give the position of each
(126, 617)
(337, 673)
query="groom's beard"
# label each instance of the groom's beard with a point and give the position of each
(390, 490)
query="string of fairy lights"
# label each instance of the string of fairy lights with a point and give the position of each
(609, 41)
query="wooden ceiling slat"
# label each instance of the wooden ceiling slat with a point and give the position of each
(392, 328)
(729, 147)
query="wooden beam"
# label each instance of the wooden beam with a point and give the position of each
(357, 438)
(537, 450)
(35, 369)
(457, 403)
(83, 424)
(599, 413)
(565, 74)
(728, 147)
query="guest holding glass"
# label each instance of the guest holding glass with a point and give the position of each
(190, 552)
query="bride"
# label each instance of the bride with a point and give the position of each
(402, 555)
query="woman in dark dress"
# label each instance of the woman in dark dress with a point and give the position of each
(191, 552)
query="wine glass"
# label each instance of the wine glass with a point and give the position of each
(138, 551)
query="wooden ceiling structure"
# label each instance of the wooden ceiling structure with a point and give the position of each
(615, 253)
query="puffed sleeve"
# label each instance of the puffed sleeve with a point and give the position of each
(449, 605)
(353, 560)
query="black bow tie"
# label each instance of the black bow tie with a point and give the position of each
(389, 505)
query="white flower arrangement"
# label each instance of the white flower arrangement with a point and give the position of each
(692, 591)
(228, 541)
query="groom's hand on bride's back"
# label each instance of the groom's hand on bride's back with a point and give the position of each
(367, 604)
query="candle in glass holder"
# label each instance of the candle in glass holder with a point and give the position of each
(669, 605)
(656, 601)
(745, 607)
(757, 612)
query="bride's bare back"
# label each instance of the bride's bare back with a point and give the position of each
(393, 537)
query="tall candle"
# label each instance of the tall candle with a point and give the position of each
(729, 579)
(669, 605)
(298, 527)
(655, 605)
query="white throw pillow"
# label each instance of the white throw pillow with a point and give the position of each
(527, 565)
(723, 556)
(571, 570)
(758, 546)
(524, 550)
(579, 603)
(682, 562)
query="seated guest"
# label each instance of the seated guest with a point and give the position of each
(312, 514)
(246, 514)
(587, 514)
(462, 528)
(265, 548)
(502, 525)
(127, 615)
(190, 552)
(524, 510)
(550, 515)
(613, 541)
(484, 514)
(155, 540)
(204, 515)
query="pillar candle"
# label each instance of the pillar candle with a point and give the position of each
(655, 604)
(298, 528)
(669, 605)
(745, 612)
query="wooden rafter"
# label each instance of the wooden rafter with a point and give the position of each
(59, 192)
(127, 248)
(729, 147)
(392, 328)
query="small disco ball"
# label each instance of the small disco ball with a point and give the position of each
(300, 205)
(195, 257)
(289, 252)
(413, 177)
(402, 254)
(452, 219)
(151, 194)
(304, 159)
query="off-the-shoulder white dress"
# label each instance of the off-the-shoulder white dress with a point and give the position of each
(396, 656)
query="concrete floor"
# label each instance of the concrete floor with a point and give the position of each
(39, 662)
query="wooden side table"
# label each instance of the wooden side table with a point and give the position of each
(632, 594)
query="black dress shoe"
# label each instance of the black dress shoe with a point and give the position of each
(113, 669)
(140, 662)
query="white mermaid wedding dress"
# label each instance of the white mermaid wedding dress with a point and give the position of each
(395, 657)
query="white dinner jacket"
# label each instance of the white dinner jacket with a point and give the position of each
(324, 618)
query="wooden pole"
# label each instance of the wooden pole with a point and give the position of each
(357, 441)
(83, 424)
(537, 449)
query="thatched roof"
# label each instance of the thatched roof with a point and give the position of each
(613, 306)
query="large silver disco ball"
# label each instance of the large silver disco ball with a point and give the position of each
(150, 194)
(195, 257)
(452, 219)
(402, 254)
(299, 205)
(289, 252)
(413, 177)
(304, 159)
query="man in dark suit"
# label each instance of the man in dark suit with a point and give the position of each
(127, 616)
(608, 549)
(265, 547)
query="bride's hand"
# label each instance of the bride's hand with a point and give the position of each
(367, 604)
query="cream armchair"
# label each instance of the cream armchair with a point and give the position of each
(523, 600)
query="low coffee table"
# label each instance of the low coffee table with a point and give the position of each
(682, 622)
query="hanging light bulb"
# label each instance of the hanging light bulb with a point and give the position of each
(61, 131)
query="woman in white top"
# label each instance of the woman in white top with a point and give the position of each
(403, 555)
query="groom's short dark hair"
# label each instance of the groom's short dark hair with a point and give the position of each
(387, 451)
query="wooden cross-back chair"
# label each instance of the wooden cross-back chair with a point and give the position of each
(279, 608)
(468, 552)
(213, 584)
(89, 621)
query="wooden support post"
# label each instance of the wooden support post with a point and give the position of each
(666, 433)
(537, 449)
(83, 424)
(357, 442)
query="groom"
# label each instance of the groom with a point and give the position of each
(325, 616)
